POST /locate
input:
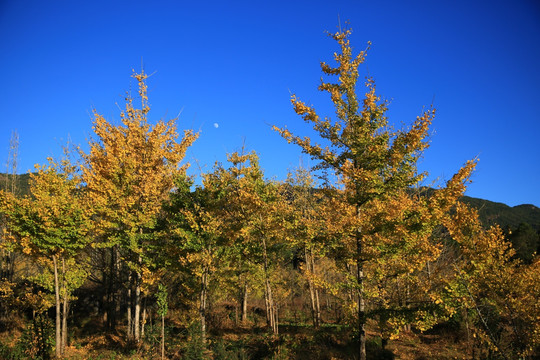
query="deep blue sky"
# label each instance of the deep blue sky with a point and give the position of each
(235, 64)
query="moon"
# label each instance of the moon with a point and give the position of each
(216, 125)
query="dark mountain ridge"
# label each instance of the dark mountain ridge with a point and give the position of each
(492, 213)
(20, 183)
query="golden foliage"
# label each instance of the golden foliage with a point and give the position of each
(130, 168)
(487, 282)
(379, 229)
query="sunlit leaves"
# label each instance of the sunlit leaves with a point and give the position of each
(486, 282)
(55, 218)
(378, 228)
(130, 168)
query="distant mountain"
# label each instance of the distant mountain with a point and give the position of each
(492, 213)
(22, 183)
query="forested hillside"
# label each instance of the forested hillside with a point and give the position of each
(117, 253)
(20, 184)
(492, 213)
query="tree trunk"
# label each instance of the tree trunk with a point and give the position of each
(65, 308)
(162, 336)
(129, 303)
(118, 292)
(276, 319)
(58, 337)
(7, 268)
(244, 302)
(408, 304)
(143, 321)
(268, 309)
(350, 292)
(271, 316)
(313, 292)
(105, 298)
(361, 303)
(317, 302)
(112, 289)
(203, 302)
(136, 320)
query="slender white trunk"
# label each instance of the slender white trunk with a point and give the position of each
(203, 302)
(65, 307)
(129, 303)
(313, 292)
(58, 337)
(143, 320)
(136, 320)
(162, 336)
(271, 313)
(244, 301)
(361, 300)
(317, 305)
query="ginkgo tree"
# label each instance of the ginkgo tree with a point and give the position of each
(305, 228)
(225, 227)
(375, 164)
(401, 245)
(129, 173)
(496, 293)
(52, 226)
(252, 218)
(194, 228)
(259, 207)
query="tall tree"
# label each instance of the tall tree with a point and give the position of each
(305, 230)
(375, 164)
(195, 227)
(53, 225)
(251, 221)
(129, 172)
(496, 292)
(257, 211)
(8, 257)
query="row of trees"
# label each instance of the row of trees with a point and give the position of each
(127, 217)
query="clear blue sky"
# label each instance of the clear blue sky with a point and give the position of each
(235, 64)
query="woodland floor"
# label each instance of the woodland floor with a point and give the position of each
(89, 340)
